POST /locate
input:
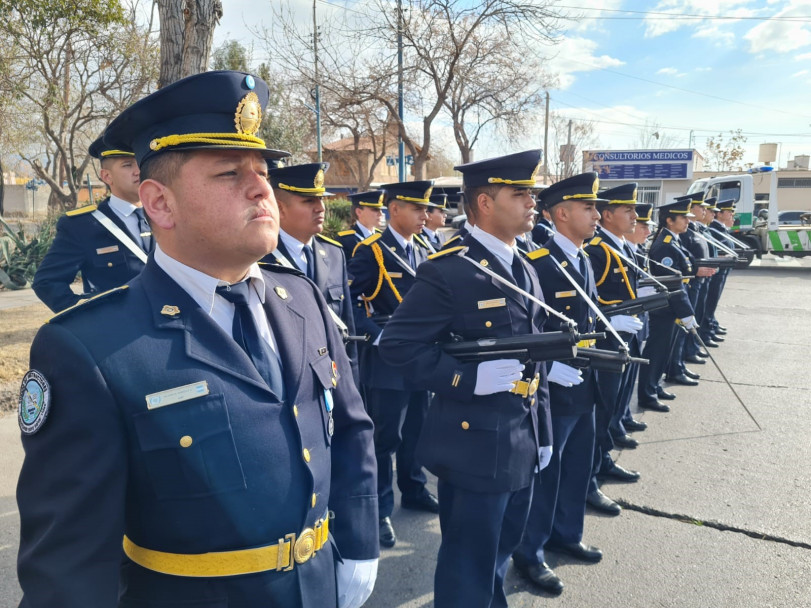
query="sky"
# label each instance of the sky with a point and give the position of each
(691, 69)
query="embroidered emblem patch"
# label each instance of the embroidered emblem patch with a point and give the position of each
(281, 292)
(170, 311)
(667, 261)
(35, 402)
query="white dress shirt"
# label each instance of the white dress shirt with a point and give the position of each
(496, 246)
(296, 249)
(126, 211)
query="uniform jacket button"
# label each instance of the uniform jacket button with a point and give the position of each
(306, 453)
(186, 441)
(465, 425)
(488, 324)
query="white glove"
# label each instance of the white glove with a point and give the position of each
(497, 376)
(544, 456)
(646, 291)
(377, 340)
(563, 374)
(689, 323)
(356, 580)
(626, 323)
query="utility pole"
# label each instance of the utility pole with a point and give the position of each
(317, 88)
(400, 109)
(569, 155)
(546, 142)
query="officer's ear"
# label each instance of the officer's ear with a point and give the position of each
(158, 202)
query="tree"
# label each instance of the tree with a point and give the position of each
(582, 137)
(725, 154)
(230, 55)
(64, 79)
(186, 35)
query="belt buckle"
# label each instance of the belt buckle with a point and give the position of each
(520, 387)
(304, 546)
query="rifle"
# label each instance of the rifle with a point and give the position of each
(638, 305)
(719, 262)
(673, 283)
(549, 346)
(605, 360)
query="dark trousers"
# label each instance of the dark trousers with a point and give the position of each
(557, 513)
(679, 345)
(480, 531)
(657, 350)
(691, 346)
(717, 282)
(398, 418)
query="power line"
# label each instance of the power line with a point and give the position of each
(667, 15)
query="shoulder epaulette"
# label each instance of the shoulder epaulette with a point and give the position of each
(668, 238)
(276, 266)
(82, 211)
(326, 239)
(346, 232)
(444, 252)
(419, 240)
(538, 253)
(595, 241)
(371, 239)
(89, 302)
(450, 240)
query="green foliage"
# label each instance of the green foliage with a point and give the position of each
(286, 124)
(338, 216)
(230, 55)
(20, 256)
(82, 14)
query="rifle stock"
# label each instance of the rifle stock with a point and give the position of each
(719, 262)
(639, 305)
(605, 360)
(549, 346)
(672, 282)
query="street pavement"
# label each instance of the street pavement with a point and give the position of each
(721, 516)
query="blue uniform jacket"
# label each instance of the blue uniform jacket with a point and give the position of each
(561, 295)
(542, 232)
(350, 238)
(251, 469)
(697, 247)
(83, 244)
(481, 443)
(666, 250)
(371, 281)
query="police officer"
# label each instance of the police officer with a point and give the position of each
(108, 244)
(559, 507)
(435, 219)
(544, 228)
(667, 253)
(719, 227)
(383, 270)
(299, 191)
(487, 420)
(367, 209)
(203, 414)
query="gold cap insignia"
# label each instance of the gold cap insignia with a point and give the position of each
(536, 171)
(318, 182)
(428, 192)
(281, 292)
(170, 311)
(248, 116)
(380, 200)
(596, 186)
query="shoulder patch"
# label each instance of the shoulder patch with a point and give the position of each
(538, 253)
(668, 238)
(88, 302)
(326, 239)
(82, 210)
(419, 240)
(451, 240)
(445, 252)
(35, 402)
(371, 239)
(595, 241)
(346, 232)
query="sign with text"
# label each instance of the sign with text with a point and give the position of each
(631, 165)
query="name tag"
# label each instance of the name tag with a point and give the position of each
(110, 249)
(176, 395)
(498, 302)
(396, 275)
(625, 268)
(565, 294)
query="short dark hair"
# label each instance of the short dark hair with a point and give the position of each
(471, 197)
(164, 167)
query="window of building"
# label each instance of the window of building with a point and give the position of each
(648, 195)
(793, 182)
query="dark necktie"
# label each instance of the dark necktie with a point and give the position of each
(308, 253)
(143, 228)
(410, 253)
(246, 334)
(581, 264)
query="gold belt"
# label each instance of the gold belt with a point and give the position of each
(281, 557)
(527, 387)
(586, 343)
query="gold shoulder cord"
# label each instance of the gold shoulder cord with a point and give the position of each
(378, 253)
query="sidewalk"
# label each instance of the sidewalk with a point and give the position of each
(17, 298)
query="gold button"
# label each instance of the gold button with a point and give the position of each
(465, 425)
(185, 441)
(314, 499)
(532, 401)
(306, 453)
(109, 264)
(488, 324)
(568, 308)
(295, 410)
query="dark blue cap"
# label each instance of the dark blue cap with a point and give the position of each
(644, 212)
(726, 205)
(695, 198)
(438, 201)
(517, 170)
(304, 180)
(709, 203)
(578, 187)
(213, 110)
(620, 195)
(411, 192)
(372, 198)
(98, 149)
(680, 206)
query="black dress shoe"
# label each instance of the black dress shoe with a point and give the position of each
(717, 338)
(721, 331)
(634, 425)
(387, 536)
(663, 394)
(423, 502)
(619, 473)
(541, 576)
(625, 441)
(681, 379)
(602, 503)
(692, 375)
(703, 353)
(656, 406)
(585, 553)
(711, 344)
(695, 359)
